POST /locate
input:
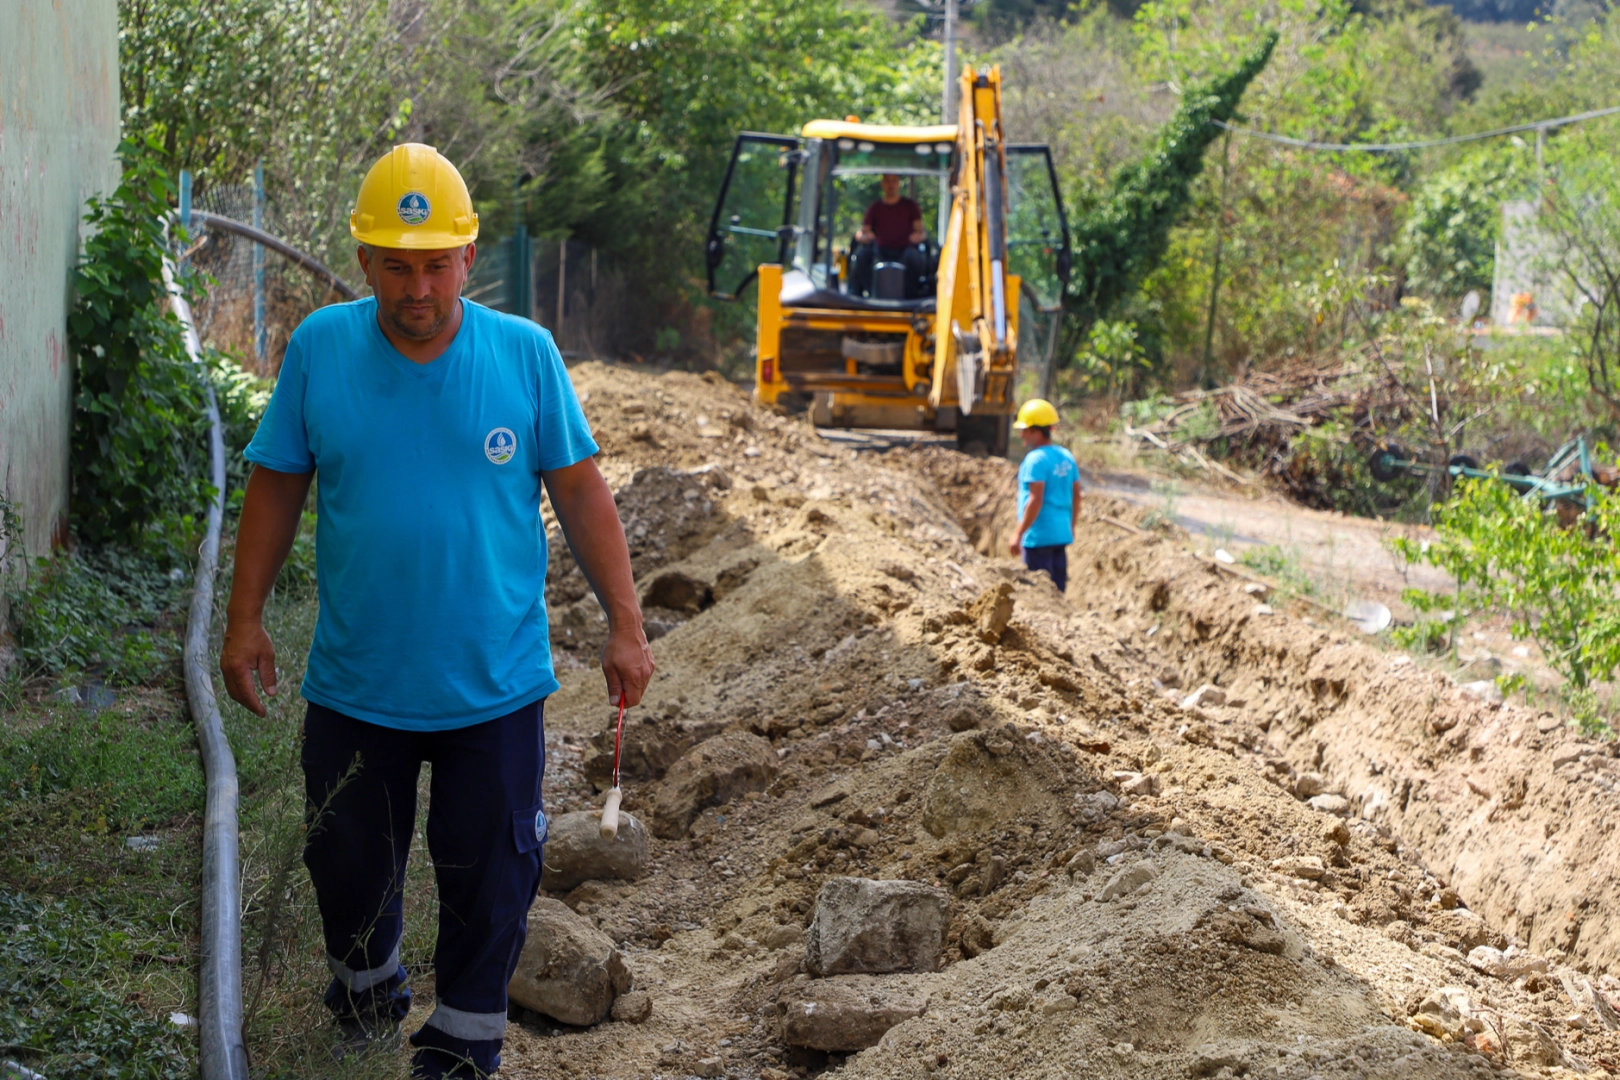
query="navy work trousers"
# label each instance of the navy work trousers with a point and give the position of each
(485, 830)
(1054, 560)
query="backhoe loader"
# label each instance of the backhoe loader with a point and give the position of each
(892, 348)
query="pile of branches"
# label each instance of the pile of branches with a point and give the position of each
(1255, 422)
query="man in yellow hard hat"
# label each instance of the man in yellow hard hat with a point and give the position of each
(433, 423)
(1048, 495)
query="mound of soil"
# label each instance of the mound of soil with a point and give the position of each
(1138, 885)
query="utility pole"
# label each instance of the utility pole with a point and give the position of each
(949, 12)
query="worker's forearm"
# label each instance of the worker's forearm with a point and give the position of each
(590, 523)
(1032, 510)
(271, 510)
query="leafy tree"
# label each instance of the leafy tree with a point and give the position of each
(1450, 233)
(1119, 242)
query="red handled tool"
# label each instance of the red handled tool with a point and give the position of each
(610, 811)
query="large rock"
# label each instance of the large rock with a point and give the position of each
(651, 746)
(569, 970)
(711, 773)
(876, 926)
(986, 780)
(576, 851)
(843, 1014)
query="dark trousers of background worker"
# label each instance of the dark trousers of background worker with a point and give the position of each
(867, 256)
(485, 831)
(1054, 560)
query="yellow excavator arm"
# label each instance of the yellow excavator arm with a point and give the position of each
(975, 328)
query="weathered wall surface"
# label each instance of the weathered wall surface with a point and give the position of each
(58, 142)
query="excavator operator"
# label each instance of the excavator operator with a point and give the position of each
(891, 232)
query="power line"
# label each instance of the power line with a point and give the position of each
(1388, 148)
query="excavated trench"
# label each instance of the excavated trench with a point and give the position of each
(1181, 834)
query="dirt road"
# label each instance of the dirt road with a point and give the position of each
(1287, 876)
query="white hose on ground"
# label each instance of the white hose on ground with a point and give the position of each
(219, 986)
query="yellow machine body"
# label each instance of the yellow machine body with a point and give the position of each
(941, 356)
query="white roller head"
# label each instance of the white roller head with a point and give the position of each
(610, 814)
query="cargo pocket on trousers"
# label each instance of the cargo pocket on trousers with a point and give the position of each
(521, 878)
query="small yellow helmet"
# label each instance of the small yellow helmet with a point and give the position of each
(1037, 412)
(414, 198)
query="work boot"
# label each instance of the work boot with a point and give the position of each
(360, 1035)
(430, 1063)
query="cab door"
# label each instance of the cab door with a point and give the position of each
(1037, 228)
(752, 217)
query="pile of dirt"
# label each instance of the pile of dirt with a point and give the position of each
(849, 685)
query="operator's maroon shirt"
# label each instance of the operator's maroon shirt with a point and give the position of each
(891, 222)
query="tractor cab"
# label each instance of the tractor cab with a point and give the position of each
(798, 201)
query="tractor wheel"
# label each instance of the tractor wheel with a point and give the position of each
(1388, 462)
(1516, 468)
(1462, 461)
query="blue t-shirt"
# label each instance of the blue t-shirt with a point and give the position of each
(1053, 466)
(430, 553)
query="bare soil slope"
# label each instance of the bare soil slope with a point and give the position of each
(1138, 888)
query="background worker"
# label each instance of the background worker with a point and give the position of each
(433, 423)
(890, 232)
(1048, 495)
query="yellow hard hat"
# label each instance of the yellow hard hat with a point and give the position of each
(414, 198)
(1037, 412)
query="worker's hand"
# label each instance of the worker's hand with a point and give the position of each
(627, 663)
(1016, 544)
(919, 234)
(248, 649)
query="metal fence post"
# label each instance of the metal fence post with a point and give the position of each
(258, 268)
(521, 274)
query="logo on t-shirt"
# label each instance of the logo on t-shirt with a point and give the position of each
(414, 208)
(500, 445)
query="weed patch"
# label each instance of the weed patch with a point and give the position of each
(57, 1018)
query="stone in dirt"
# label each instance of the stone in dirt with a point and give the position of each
(992, 611)
(983, 781)
(863, 925)
(569, 970)
(784, 936)
(1206, 695)
(1483, 689)
(1443, 1013)
(1529, 1044)
(844, 1014)
(1129, 880)
(711, 773)
(1310, 784)
(1328, 803)
(1309, 867)
(632, 1008)
(577, 852)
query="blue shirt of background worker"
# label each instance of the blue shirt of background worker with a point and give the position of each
(1048, 495)
(431, 553)
(1054, 468)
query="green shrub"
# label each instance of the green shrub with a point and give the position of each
(103, 610)
(1557, 584)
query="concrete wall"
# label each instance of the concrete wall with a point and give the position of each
(58, 143)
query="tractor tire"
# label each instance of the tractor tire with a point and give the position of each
(1517, 468)
(1388, 462)
(1462, 461)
